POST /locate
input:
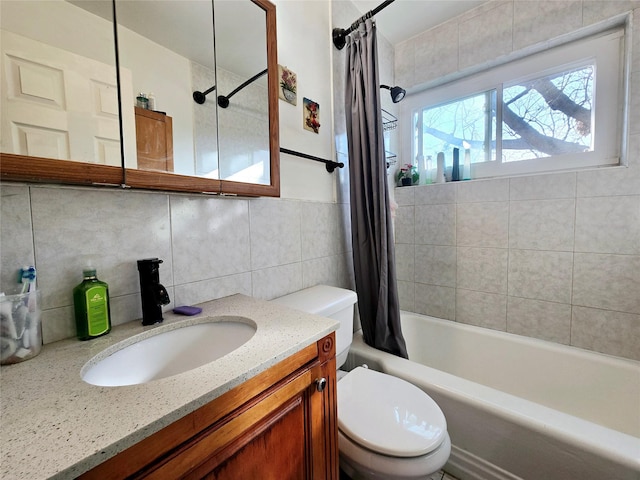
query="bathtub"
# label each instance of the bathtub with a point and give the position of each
(518, 407)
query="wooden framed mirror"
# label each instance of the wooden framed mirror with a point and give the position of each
(59, 105)
(201, 160)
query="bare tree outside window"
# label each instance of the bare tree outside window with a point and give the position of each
(547, 116)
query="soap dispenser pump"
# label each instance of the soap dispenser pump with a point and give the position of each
(154, 295)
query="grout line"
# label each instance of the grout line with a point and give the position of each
(573, 256)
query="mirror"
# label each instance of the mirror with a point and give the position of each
(59, 107)
(179, 144)
(165, 48)
(207, 111)
(243, 107)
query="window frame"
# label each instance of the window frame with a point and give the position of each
(604, 49)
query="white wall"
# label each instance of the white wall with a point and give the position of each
(304, 35)
(158, 70)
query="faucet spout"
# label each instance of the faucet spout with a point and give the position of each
(154, 294)
(160, 295)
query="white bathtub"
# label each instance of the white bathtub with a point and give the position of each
(518, 407)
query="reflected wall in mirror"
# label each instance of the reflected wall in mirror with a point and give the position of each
(168, 47)
(243, 110)
(59, 89)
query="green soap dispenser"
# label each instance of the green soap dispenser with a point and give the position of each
(91, 303)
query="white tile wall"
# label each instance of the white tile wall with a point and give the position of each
(435, 225)
(275, 232)
(608, 282)
(405, 224)
(479, 43)
(435, 300)
(538, 20)
(406, 260)
(482, 309)
(615, 333)
(16, 240)
(541, 275)
(482, 269)
(551, 256)
(209, 239)
(608, 225)
(210, 247)
(522, 266)
(434, 58)
(542, 224)
(436, 265)
(535, 318)
(483, 224)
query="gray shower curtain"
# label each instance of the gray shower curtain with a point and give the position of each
(372, 237)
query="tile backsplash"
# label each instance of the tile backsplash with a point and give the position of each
(536, 256)
(210, 247)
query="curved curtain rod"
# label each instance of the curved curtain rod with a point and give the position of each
(223, 101)
(340, 34)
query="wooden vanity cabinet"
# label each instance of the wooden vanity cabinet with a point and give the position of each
(279, 425)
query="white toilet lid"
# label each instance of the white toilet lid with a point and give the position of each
(388, 415)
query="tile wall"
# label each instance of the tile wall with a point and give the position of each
(546, 256)
(555, 257)
(211, 247)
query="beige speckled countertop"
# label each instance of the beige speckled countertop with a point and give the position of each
(54, 425)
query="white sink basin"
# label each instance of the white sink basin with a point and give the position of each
(172, 350)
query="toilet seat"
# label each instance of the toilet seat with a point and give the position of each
(355, 458)
(388, 415)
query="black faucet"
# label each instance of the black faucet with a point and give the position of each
(154, 295)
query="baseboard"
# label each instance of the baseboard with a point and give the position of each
(466, 466)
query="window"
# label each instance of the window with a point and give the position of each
(557, 109)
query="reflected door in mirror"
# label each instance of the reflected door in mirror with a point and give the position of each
(59, 99)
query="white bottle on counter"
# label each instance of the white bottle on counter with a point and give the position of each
(440, 172)
(151, 101)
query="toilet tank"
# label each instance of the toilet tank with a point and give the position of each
(332, 302)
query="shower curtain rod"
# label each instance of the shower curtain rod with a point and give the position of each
(340, 34)
(223, 101)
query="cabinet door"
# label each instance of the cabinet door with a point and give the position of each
(268, 440)
(323, 413)
(274, 450)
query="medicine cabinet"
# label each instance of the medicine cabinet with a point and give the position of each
(70, 94)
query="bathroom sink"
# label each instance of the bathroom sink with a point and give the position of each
(170, 351)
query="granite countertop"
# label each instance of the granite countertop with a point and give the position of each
(54, 425)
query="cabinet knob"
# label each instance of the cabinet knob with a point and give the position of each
(321, 383)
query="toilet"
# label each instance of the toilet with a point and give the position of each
(387, 427)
